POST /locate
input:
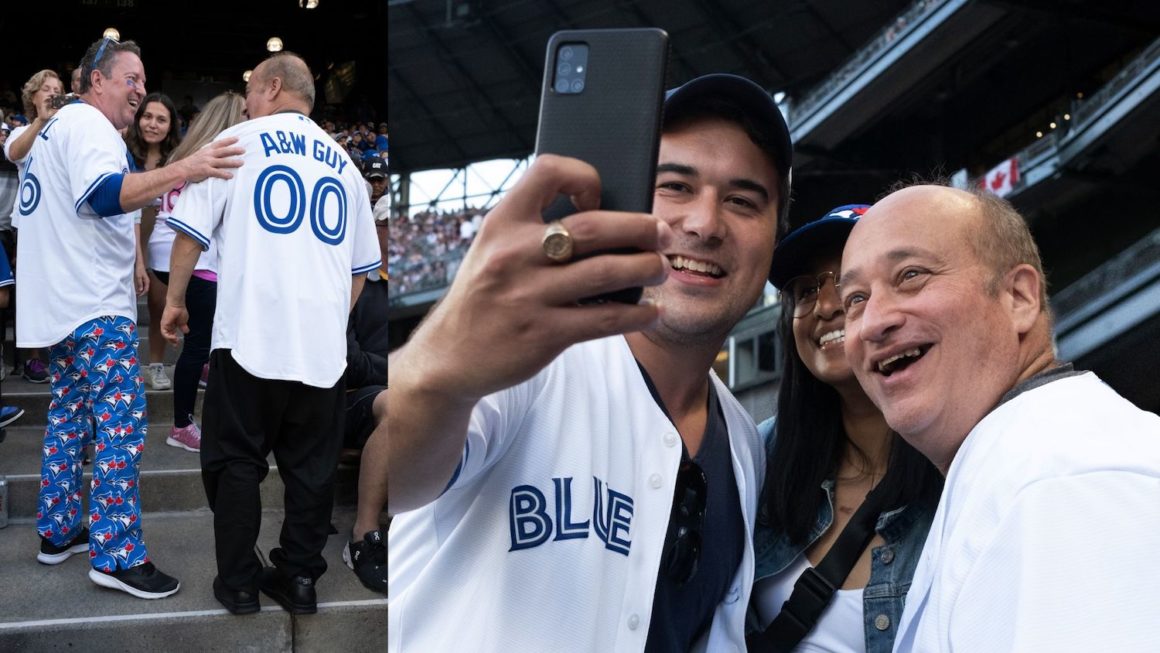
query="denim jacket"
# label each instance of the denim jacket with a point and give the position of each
(891, 565)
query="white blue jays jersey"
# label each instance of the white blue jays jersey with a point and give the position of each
(550, 535)
(74, 264)
(292, 227)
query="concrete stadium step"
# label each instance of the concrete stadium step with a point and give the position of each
(169, 358)
(170, 477)
(50, 608)
(35, 397)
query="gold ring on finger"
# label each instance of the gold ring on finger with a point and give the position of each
(557, 243)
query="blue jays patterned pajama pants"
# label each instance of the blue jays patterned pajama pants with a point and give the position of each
(98, 396)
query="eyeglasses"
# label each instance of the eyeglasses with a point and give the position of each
(802, 292)
(688, 518)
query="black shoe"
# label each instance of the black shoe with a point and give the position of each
(51, 554)
(368, 559)
(143, 581)
(295, 594)
(236, 601)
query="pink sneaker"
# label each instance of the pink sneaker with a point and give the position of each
(188, 437)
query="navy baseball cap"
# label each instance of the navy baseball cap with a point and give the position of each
(751, 98)
(793, 253)
(374, 167)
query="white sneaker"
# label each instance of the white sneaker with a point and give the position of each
(157, 378)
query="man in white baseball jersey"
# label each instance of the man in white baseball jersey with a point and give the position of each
(296, 239)
(596, 496)
(77, 252)
(1046, 535)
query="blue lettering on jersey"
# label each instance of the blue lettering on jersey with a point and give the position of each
(324, 153)
(44, 132)
(283, 143)
(531, 525)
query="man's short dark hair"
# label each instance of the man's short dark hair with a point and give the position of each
(100, 56)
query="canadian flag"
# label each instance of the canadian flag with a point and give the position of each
(1001, 179)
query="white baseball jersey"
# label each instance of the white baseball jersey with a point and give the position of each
(292, 227)
(161, 240)
(75, 265)
(20, 165)
(550, 536)
(1047, 532)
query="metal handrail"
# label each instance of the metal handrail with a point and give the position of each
(906, 22)
(1142, 258)
(1088, 107)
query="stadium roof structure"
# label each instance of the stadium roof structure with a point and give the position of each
(465, 75)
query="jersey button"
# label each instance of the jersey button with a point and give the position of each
(670, 439)
(633, 622)
(887, 557)
(655, 481)
(882, 622)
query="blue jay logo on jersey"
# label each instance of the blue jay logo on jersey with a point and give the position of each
(531, 524)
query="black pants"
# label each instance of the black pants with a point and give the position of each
(360, 416)
(245, 418)
(201, 301)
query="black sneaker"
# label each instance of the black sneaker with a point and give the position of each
(143, 581)
(368, 559)
(236, 601)
(51, 554)
(295, 594)
(35, 371)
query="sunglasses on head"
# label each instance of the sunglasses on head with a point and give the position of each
(101, 50)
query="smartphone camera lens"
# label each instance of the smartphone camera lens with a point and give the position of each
(571, 69)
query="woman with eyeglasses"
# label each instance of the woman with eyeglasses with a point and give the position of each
(828, 448)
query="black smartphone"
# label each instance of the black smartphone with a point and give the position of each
(601, 103)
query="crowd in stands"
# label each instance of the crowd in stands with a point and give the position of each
(425, 250)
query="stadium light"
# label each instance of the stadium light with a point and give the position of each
(112, 33)
(274, 44)
(308, 4)
(246, 75)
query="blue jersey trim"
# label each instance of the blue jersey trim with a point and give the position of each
(8, 282)
(458, 468)
(367, 268)
(89, 191)
(178, 225)
(106, 197)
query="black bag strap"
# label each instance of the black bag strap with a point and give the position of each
(815, 588)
